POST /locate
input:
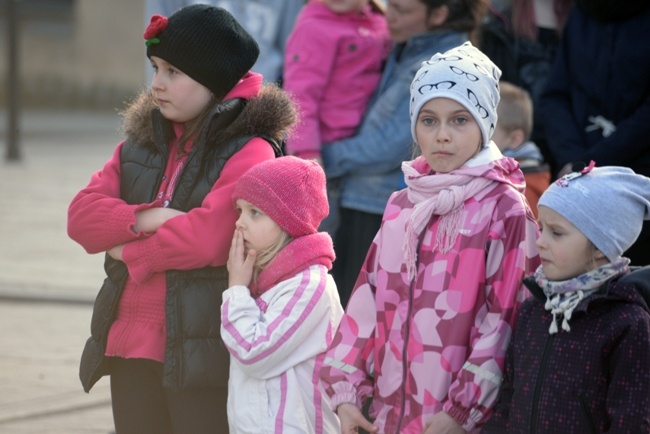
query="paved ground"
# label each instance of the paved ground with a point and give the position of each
(47, 282)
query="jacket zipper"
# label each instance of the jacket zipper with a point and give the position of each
(408, 333)
(541, 374)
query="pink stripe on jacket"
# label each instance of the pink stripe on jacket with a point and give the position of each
(277, 352)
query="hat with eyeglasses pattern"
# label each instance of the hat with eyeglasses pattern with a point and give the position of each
(465, 75)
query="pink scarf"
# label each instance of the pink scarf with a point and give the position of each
(296, 256)
(442, 194)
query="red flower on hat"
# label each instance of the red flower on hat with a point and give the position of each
(157, 24)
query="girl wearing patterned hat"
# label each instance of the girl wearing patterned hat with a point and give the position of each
(282, 307)
(366, 166)
(161, 210)
(425, 332)
(578, 361)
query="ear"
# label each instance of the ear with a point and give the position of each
(600, 256)
(517, 138)
(508, 140)
(438, 16)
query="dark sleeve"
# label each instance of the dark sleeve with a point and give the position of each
(498, 422)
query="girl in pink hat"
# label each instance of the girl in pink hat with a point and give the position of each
(282, 307)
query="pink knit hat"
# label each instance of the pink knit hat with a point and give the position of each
(288, 189)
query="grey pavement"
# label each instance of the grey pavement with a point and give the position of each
(48, 282)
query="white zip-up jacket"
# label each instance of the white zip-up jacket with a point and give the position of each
(277, 344)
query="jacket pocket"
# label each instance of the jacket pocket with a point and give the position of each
(586, 413)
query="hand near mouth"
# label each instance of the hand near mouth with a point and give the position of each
(240, 262)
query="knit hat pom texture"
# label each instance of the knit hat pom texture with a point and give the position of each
(290, 190)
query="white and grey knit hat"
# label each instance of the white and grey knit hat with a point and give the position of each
(607, 204)
(465, 75)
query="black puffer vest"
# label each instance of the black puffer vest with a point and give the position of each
(194, 353)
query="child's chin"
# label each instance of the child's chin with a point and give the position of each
(552, 274)
(548, 272)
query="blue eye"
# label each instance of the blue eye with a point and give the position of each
(427, 121)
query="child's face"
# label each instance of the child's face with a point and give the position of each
(259, 230)
(564, 250)
(180, 98)
(344, 6)
(447, 134)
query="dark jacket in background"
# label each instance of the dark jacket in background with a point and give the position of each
(602, 69)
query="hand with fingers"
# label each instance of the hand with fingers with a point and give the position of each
(240, 262)
(442, 423)
(352, 419)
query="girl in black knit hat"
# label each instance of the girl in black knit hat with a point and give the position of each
(161, 210)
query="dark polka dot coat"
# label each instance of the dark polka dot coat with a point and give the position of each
(594, 378)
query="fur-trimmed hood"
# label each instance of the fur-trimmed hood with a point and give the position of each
(270, 114)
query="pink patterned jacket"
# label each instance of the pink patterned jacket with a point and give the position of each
(438, 342)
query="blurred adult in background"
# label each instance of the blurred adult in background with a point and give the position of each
(368, 163)
(596, 103)
(268, 21)
(521, 37)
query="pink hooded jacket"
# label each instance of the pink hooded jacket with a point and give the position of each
(437, 342)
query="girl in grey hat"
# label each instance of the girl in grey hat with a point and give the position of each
(578, 361)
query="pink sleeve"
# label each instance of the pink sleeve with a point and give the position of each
(98, 219)
(201, 237)
(347, 371)
(309, 59)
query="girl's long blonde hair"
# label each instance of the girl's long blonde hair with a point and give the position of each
(265, 257)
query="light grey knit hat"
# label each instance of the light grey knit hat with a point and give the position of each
(465, 75)
(607, 204)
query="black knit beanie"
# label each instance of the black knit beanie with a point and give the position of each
(204, 42)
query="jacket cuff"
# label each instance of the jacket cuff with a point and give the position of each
(137, 256)
(344, 393)
(460, 415)
(236, 291)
